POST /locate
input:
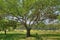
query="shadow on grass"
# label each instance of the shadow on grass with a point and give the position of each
(12, 36)
(23, 36)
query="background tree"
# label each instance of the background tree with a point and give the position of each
(6, 24)
(3, 25)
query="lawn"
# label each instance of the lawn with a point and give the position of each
(20, 35)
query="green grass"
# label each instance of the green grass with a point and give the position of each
(23, 36)
(13, 35)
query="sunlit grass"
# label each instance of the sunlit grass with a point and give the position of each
(34, 31)
(45, 31)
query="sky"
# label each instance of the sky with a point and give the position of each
(45, 21)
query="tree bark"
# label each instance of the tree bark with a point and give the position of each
(28, 32)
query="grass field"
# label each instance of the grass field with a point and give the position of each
(21, 35)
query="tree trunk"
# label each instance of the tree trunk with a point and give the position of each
(5, 32)
(28, 32)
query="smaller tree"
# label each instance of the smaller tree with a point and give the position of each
(6, 24)
(3, 25)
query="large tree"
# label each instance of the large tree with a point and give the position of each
(29, 12)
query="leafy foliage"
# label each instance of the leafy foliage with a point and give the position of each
(30, 12)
